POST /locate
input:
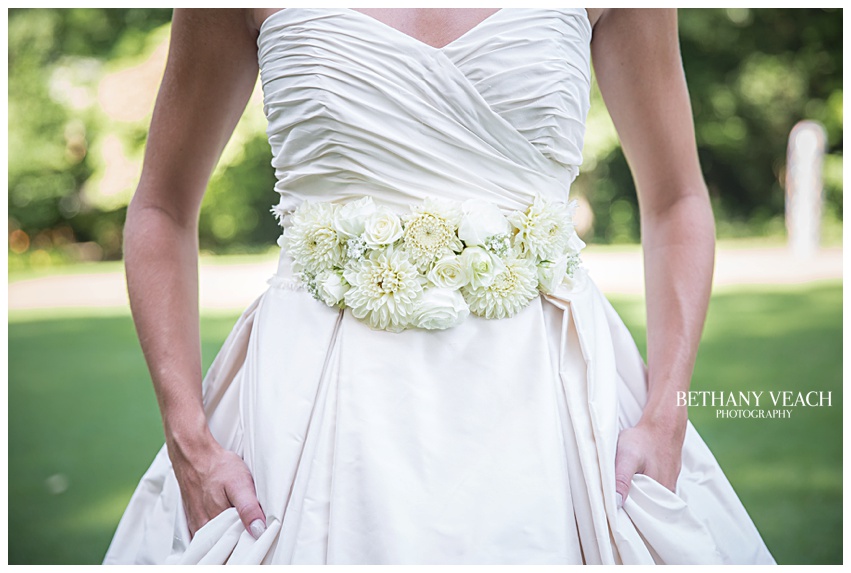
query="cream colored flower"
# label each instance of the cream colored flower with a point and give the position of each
(511, 290)
(551, 274)
(331, 288)
(430, 231)
(383, 227)
(440, 308)
(449, 272)
(349, 218)
(481, 266)
(385, 289)
(544, 229)
(311, 238)
(481, 220)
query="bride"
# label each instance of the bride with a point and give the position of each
(489, 427)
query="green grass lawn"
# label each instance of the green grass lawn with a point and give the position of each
(83, 423)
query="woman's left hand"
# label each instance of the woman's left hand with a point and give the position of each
(648, 450)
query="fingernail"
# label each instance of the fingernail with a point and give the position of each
(619, 499)
(256, 528)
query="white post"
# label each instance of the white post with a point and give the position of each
(804, 160)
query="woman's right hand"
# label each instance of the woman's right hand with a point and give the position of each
(212, 479)
(210, 74)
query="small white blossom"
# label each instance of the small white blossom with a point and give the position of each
(573, 262)
(355, 248)
(499, 245)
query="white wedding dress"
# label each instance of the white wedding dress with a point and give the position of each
(489, 442)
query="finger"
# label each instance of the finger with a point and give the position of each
(626, 466)
(244, 498)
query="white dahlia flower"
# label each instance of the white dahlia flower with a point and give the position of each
(431, 231)
(511, 290)
(385, 289)
(311, 239)
(544, 229)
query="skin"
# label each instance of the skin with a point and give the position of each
(210, 73)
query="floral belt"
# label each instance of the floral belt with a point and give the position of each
(432, 267)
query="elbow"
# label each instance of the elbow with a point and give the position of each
(148, 218)
(664, 202)
(686, 207)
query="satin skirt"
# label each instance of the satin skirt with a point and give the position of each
(492, 442)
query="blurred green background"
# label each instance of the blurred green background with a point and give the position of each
(82, 84)
(83, 423)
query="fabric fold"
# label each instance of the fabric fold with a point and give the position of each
(338, 123)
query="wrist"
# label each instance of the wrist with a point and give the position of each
(188, 436)
(665, 420)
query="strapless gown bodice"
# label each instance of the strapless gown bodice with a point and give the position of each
(357, 107)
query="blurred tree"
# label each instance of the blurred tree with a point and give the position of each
(82, 84)
(752, 74)
(55, 60)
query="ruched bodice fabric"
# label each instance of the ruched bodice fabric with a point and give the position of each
(492, 441)
(356, 107)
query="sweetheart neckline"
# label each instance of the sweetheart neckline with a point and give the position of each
(375, 21)
(396, 31)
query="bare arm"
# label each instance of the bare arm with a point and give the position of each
(639, 69)
(210, 73)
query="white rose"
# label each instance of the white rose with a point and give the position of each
(383, 227)
(440, 308)
(331, 287)
(551, 274)
(449, 272)
(479, 221)
(482, 267)
(350, 218)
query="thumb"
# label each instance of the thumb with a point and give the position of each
(626, 466)
(244, 498)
